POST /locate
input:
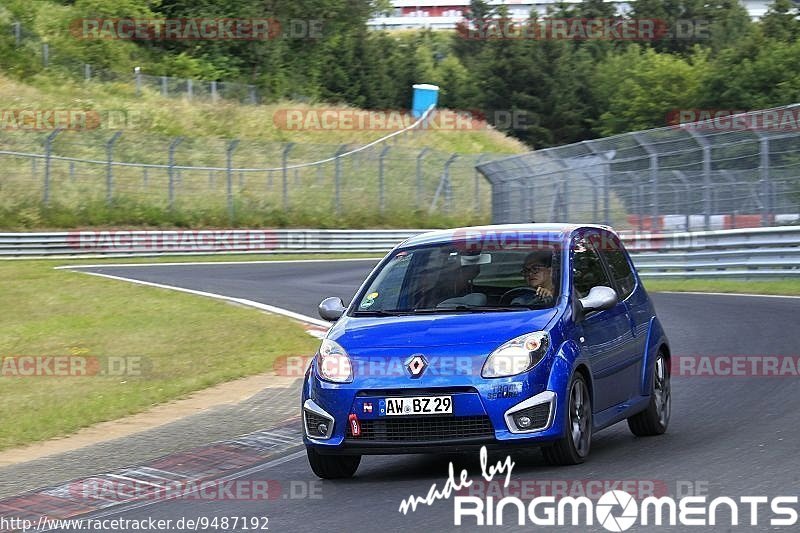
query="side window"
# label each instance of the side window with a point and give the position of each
(587, 268)
(620, 268)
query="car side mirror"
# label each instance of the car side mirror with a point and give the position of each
(599, 298)
(331, 309)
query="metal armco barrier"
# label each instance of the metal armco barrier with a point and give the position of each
(759, 252)
(135, 243)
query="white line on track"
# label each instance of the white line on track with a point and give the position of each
(728, 294)
(240, 301)
(195, 263)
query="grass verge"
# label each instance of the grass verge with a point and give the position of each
(182, 342)
(786, 287)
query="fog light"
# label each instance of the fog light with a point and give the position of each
(317, 422)
(523, 422)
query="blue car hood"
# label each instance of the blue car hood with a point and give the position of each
(359, 334)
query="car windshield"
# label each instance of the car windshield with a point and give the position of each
(444, 278)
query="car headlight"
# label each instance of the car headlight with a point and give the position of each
(517, 355)
(334, 363)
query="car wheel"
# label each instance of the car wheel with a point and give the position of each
(655, 419)
(332, 466)
(573, 447)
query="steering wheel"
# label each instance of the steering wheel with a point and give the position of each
(509, 296)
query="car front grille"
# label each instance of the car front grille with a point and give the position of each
(424, 428)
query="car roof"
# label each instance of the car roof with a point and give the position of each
(549, 231)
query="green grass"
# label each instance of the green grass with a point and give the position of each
(78, 191)
(186, 343)
(786, 287)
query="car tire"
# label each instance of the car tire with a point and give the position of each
(655, 419)
(332, 466)
(573, 447)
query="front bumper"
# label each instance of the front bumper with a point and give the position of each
(485, 413)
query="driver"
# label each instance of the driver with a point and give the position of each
(538, 273)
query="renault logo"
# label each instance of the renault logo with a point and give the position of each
(417, 365)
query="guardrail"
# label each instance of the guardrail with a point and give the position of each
(760, 252)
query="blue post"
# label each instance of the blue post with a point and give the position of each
(425, 96)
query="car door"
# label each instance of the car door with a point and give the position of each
(605, 335)
(620, 269)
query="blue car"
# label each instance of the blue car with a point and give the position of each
(508, 335)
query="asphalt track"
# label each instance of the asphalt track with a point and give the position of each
(729, 436)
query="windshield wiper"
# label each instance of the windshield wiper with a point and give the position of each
(458, 308)
(484, 308)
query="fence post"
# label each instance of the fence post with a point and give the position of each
(48, 151)
(229, 162)
(285, 174)
(476, 200)
(214, 95)
(381, 181)
(706, 146)
(87, 72)
(189, 88)
(448, 184)
(171, 169)
(45, 55)
(606, 182)
(763, 178)
(419, 174)
(164, 90)
(653, 160)
(687, 190)
(137, 74)
(444, 186)
(337, 178)
(110, 166)
(17, 33)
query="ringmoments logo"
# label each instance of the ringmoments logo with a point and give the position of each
(615, 509)
(618, 510)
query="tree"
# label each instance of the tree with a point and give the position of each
(765, 76)
(780, 21)
(714, 23)
(639, 88)
(596, 9)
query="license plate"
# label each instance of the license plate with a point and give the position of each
(419, 405)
